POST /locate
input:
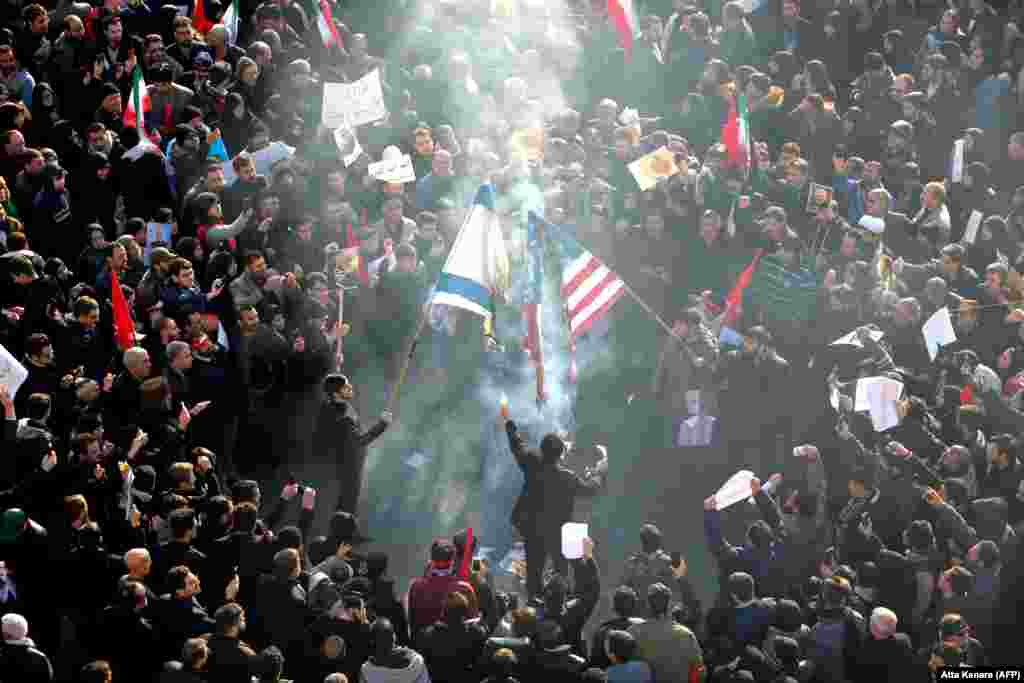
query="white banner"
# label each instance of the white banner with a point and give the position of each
(397, 170)
(354, 104)
(12, 373)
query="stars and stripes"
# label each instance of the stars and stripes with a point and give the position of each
(589, 287)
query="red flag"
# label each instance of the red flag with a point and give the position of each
(967, 395)
(124, 327)
(621, 14)
(199, 18)
(735, 297)
(467, 555)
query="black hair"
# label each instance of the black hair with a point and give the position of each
(624, 601)
(650, 538)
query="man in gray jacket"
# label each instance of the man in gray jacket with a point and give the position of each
(671, 649)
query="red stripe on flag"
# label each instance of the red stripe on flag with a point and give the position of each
(572, 285)
(595, 291)
(530, 315)
(325, 12)
(199, 19)
(621, 20)
(593, 317)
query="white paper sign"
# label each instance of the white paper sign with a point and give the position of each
(736, 489)
(12, 373)
(393, 170)
(956, 173)
(872, 224)
(860, 396)
(878, 395)
(354, 104)
(573, 534)
(348, 145)
(973, 223)
(156, 233)
(851, 339)
(938, 331)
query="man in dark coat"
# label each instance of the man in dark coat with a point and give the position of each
(546, 501)
(18, 654)
(338, 430)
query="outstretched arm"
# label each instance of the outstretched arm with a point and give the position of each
(515, 442)
(719, 547)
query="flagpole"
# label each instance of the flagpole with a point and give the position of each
(340, 357)
(403, 374)
(538, 353)
(650, 311)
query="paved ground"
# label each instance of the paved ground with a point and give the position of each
(418, 491)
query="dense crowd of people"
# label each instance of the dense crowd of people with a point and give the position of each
(180, 253)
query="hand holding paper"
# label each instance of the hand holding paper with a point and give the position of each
(938, 331)
(735, 490)
(573, 537)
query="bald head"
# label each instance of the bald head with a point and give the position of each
(883, 623)
(138, 562)
(336, 678)
(136, 361)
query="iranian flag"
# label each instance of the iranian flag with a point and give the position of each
(138, 100)
(624, 19)
(736, 134)
(325, 23)
(230, 21)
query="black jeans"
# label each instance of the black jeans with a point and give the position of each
(538, 548)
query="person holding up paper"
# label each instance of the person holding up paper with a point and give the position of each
(547, 498)
(759, 557)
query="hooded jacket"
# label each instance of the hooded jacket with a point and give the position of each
(427, 595)
(402, 666)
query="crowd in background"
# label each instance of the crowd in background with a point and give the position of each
(881, 185)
